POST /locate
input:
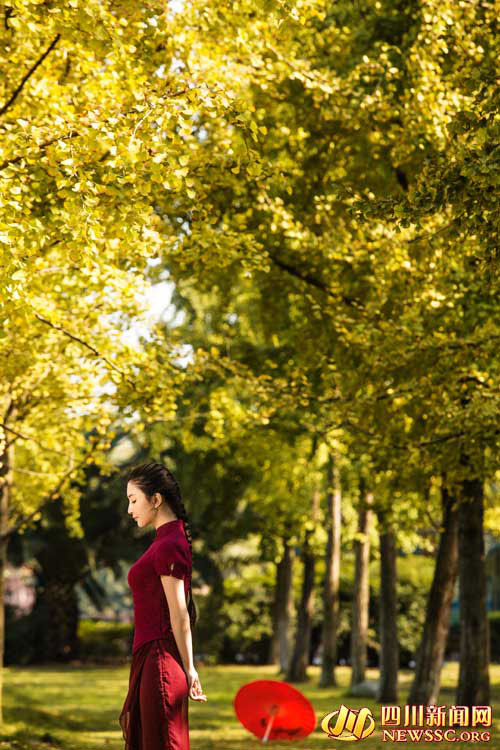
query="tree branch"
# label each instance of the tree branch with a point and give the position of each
(76, 134)
(53, 494)
(28, 75)
(43, 146)
(431, 235)
(308, 279)
(33, 440)
(87, 346)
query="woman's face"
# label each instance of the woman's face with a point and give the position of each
(139, 506)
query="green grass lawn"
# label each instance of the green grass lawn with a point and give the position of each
(77, 708)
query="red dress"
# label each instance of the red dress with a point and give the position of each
(155, 713)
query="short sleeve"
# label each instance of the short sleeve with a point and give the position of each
(170, 559)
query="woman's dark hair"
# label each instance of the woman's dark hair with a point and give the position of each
(153, 477)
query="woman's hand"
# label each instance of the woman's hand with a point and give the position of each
(195, 691)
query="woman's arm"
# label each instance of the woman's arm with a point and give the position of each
(179, 617)
(181, 627)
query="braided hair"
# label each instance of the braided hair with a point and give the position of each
(153, 477)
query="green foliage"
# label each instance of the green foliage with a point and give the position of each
(247, 610)
(414, 578)
(104, 642)
(414, 581)
(285, 167)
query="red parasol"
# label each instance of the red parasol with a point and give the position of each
(274, 710)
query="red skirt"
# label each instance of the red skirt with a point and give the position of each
(155, 713)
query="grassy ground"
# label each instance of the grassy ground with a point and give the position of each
(77, 708)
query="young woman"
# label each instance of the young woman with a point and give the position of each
(162, 674)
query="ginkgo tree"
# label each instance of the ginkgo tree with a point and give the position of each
(95, 115)
(364, 267)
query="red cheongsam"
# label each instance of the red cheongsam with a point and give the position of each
(155, 713)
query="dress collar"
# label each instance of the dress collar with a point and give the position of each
(167, 527)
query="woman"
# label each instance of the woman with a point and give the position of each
(162, 674)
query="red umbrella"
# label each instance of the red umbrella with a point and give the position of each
(273, 710)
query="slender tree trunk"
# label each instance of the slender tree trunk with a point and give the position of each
(4, 514)
(389, 646)
(297, 671)
(283, 608)
(426, 682)
(361, 598)
(6, 479)
(473, 680)
(332, 576)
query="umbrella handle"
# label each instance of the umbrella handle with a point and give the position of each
(268, 729)
(269, 723)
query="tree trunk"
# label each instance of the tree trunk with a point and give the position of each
(389, 646)
(361, 598)
(332, 577)
(6, 479)
(473, 680)
(282, 612)
(297, 670)
(4, 515)
(426, 682)
(56, 612)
